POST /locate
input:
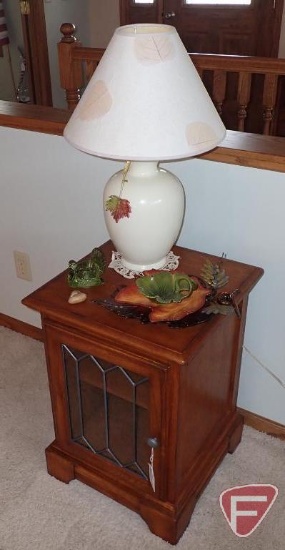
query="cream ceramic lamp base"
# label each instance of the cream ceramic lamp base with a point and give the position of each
(157, 202)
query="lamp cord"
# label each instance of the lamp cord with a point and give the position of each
(280, 382)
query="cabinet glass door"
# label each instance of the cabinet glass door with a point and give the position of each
(108, 410)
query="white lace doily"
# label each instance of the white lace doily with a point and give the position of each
(172, 263)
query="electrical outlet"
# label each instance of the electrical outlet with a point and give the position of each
(23, 265)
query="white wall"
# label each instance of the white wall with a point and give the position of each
(240, 211)
(51, 208)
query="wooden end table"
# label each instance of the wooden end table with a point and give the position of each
(143, 413)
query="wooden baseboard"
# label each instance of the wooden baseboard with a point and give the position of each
(262, 424)
(20, 326)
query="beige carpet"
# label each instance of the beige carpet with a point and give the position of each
(38, 512)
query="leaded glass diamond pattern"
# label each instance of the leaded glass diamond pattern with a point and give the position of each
(108, 410)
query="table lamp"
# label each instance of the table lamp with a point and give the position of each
(144, 104)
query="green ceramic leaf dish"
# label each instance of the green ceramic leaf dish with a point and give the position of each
(165, 287)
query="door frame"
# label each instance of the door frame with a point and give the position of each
(36, 51)
(279, 7)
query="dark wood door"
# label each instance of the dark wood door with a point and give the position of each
(237, 29)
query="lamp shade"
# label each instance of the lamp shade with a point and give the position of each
(145, 101)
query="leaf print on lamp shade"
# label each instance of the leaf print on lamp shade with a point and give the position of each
(98, 102)
(200, 135)
(145, 103)
(149, 49)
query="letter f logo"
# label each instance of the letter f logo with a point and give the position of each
(246, 506)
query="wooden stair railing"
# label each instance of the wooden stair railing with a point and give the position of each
(245, 68)
(239, 76)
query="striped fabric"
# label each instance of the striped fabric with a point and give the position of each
(4, 38)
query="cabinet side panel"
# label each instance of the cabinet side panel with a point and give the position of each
(206, 399)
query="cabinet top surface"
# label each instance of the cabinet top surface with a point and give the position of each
(94, 320)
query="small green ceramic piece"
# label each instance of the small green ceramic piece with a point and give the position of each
(165, 287)
(86, 273)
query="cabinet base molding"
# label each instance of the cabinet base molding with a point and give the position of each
(262, 424)
(58, 465)
(21, 327)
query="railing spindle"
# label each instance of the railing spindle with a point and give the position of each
(243, 97)
(269, 101)
(219, 89)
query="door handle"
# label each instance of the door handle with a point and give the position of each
(153, 442)
(169, 14)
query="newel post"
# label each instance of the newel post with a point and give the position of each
(70, 70)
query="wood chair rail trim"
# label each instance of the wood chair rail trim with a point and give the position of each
(231, 63)
(239, 148)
